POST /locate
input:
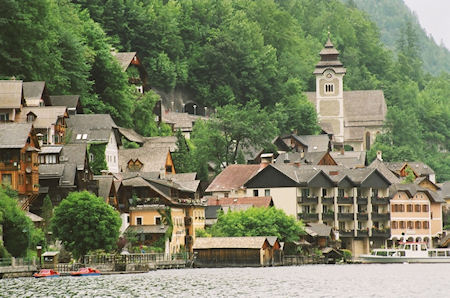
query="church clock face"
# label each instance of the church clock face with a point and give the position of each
(329, 75)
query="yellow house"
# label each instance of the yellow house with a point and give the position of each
(416, 214)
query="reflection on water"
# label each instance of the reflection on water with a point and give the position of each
(396, 280)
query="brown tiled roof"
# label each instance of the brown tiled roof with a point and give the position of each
(10, 94)
(45, 116)
(124, 58)
(254, 201)
(233, 177)
(229, 242)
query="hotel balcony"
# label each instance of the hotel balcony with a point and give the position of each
(308, 216)
(380, 201)
(345, 216)
(328, 216)
(327, 200)
(346, 233)
(380, 216)
(345, 200)
(363, 233)
(308, 200)
(362, 201)
(381, 233)
(362, 216)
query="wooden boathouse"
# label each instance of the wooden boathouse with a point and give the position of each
(233, 252)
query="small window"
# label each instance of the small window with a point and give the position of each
(255, 192)
(324, 192)
(409, 208)
(7, 179)
(267, 192)
(79, 136)
(425, 208)
(139, 221)
(157, 220)
(128, 219)
(394, 225)
(30, 117)
(417, 208)
(425, 225)
(418, 225)
(329, 88)
(410, 225)
(4, 117)
(84, 136)
(402, 225)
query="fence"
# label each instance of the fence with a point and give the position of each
(302, 260)
(134, 258)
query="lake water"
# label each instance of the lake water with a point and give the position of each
(384, 280)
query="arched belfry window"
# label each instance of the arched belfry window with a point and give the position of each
(329, 88)
(367, 140)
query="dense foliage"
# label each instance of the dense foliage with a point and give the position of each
(231, 53)
(258, 222)
(84, 222)
(99, 158)
(391, 17)
(19, 232)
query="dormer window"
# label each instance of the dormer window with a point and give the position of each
(79, 136)
(84, 136)
(329, 88)
(30, 117)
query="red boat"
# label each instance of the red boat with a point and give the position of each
(46, 273)
(86, 272)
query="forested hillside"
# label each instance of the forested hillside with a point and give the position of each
(259, 55)
(391, 16)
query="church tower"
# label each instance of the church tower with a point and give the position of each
(329, 74)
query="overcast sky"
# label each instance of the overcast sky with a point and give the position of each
(434, 16)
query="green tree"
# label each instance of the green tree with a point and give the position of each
(410, 177)
(84, 222)
(18, 229)
(258, 222)
(234, 127)
(99, 162)
(47, 213)
(144, 118)
(182, 157)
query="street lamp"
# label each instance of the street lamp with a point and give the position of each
(195, 109)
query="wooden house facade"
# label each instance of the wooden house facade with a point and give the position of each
(19, 166)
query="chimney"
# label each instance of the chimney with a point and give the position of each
(342, 150)
(162, 173)
(264, 163)
(379, 155)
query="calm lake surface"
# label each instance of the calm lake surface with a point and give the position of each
(386, 280)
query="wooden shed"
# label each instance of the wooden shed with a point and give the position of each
(232, 252)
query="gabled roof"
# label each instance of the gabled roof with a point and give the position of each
(141, 182)
(384, 170)
(124, 58)
(315, 143)
(51, 170)
(69, 101)
(131, 135)
(105, 182)
(253, 201)
(161, 142)
(350, 159)
(35, 91)
(309, 158)
(74, 154)
(412, 189)
(318, 229)
(14, 135)
(97, 127)
(45, 116)
(182, 121)
(11, 96)
(153, 159)
(229, 242)
(233, 177)
(445, 190)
